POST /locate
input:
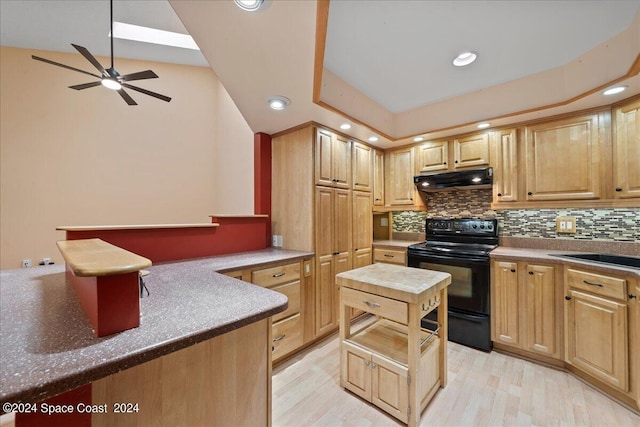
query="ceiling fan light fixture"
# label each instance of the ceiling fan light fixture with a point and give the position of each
(465, 58)
(278, 102)
(112, 84)
(249, 5)
(614, 90)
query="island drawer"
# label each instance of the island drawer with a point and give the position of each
(276, 275)
(286, 336)
(292, 291)
(375, 304)
(390, 256)
(609, 286)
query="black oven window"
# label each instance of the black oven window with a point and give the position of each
(461, 278)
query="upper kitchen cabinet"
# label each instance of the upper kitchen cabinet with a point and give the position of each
(563, 159)
(362, 167)
(432, 156)
(471, 151)
(505, 166)
(333, 160)
(626, 151)
(399, 171)
(378, 178)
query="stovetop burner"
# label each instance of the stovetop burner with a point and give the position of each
(459, 237)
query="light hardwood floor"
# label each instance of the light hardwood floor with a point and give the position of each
(484, 389)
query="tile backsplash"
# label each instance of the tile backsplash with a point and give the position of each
(616, 225)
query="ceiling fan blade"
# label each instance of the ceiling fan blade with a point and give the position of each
(139, 76)
(84, 52)
(86, 85)
(147, 92)
(129, 100)
(37, 58)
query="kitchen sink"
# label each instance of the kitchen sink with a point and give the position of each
(625, 261)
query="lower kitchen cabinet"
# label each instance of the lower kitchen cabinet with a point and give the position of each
(525, 310)
(598, 326)
(390, 256)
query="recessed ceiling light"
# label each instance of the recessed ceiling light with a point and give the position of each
(278, 102)
(418, 139)
(249, 5)
(152, 35)
(373, 138)
(615, 90)
(483, 125)
(345, 126)
(465, 58)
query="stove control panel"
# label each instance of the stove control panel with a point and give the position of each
(467, 226)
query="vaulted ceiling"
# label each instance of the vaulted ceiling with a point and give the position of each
(382, 66)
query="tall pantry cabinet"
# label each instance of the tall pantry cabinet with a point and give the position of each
(321, 202)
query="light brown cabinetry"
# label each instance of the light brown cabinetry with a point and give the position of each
(598, 326)
(471, 151)
(400, 189)
(505, 166)
(378, 178)
(563, 159)
(362, 167)
(432, 156)
(525, 310)
(333, 160)
(463, 152)
(362, 229)
(626, 151)
(390, 256)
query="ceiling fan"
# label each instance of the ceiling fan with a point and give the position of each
(109, 77)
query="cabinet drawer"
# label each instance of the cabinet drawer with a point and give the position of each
(292, 291)
(380, 306)
(276, 275)
(609, 286)
(286, 335)
(390, 256)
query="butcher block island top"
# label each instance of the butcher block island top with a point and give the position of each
(394, 362)
(95, 257)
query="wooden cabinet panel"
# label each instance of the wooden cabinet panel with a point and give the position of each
(390, 256)
(505, 323)
(600, 284)
(341, 151)
(333, 160)
(355, 367)
(361, 258)
(378, 178)
(362, 167)
(472, 150)
(432, 156)
(324, 295)
(597, 337)
(276, 275)
(399, 180)
(505, 169)
(626, 151)
(286, 335)
(342, 217)
(324, 166)
(292, 291)
(362, 221)
(324, 221)
(540, 310)
(375, 304)
(563, 160)
(389, 388)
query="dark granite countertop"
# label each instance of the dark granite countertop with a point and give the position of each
(47, 345)
(547, 256)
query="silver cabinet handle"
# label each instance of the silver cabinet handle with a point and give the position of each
(372, 304)
(594, 284)
(280, 338)
(275, 276)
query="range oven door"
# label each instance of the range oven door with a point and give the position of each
(469, 289)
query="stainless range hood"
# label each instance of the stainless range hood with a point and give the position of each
(465, 179)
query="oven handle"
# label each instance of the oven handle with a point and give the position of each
(431, 257)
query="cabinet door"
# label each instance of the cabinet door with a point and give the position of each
(505, 182)
(432, 156)
(323, 164)
(597, 338)
(362, 167)
(563, 160)
(324, 283)
(471, 150)
(341, 162)
(400, 177)
(378, 178)
(540, 310)
(626, 151)
(362, 221)
(342, 218)
(504, 305)
(389, 388)
(355, 370)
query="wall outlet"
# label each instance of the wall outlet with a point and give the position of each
(26, 263)
(276, 241)
(566, 224)
(45, 261)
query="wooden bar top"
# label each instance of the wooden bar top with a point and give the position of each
(406, 284)
(95, 257)
(132, 227)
